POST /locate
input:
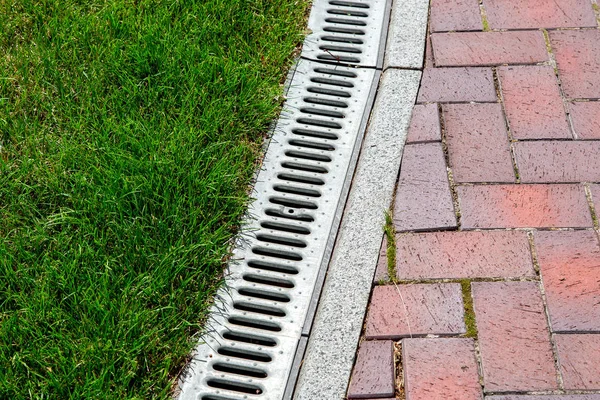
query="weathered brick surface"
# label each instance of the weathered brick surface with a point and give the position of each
(595, 189)
(423, 198)
(424, 124)
(440, 369)
(513, 337)
(578, 57)
(428, 53)
(579, 358)
(558, 161)
(533, 104)
(478, 145)
(585, 117)
(546, 397)
(373, 374)
(570, 267)
(399, 311)
(455, 15)
(381, 271)
(458, 255)
(451, 85)
(466, 49)
(523, 206)
(511, 14)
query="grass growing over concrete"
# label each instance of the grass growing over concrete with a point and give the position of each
(129, 131)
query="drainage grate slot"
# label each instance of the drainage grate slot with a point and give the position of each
(239, 370)
(328, 92)
(333, 82)
(349, 31)
(344, 21)
(259, 309)
(311, 145)
(304, 167)
(295, 190)
(338, 72)
(316, 134)
(284, 255)
(216, 398)
(350, 13)
(348, 4)
(292, 203)
(264, 294)
(289, 215)
(269, 280)
(234, 386)
(251, 323)
(248, 338)
(281, 240)
(308, 156)
(326, 113)
(285, 227)
(325, 102)
(301, 179)
(341, 49)
(245, 354)
(268, 266)
(341, 39)
(319, 122)
(329, 57)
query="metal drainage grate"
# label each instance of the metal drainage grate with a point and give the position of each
(260, 319)
(347, 32)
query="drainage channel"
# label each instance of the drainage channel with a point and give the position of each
(261, 318)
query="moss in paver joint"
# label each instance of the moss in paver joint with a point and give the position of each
(484, 20)
(390, 235)
(465, 285)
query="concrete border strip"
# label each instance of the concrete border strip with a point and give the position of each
(406, 35)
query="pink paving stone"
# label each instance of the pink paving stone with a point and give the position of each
(514, 342)
(579, 358)
(585, 117)
(440, 369)
(423, 198)
(523, 206)
(477, 141)
(546, 397)
(428, 53)
(455, 15)
(558, 161)
(466, 49)
(570, 266)
(519, 14)
(452, 85)
(533, 104)
(459, 255)
(424, 124)
(381, 271)
(577, 54)
(373, 375)
(399, 311)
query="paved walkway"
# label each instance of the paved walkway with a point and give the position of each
(494, 289)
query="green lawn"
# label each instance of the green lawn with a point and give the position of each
(129, 131)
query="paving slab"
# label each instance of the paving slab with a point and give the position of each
(399, 311)
(440, 369)
(457, 85)
(455, 15)
(514, 341)
(373, 374)
(424, 124)
(579, 358)
(586, 119)
(546, 397)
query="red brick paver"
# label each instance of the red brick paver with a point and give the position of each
(579, 358)
(455, 85)
(523, 206)
(440, 369)
(570, 266)
(586, 119)
(534, 107)
(578, 57)
(424, 124)
(399, 311)
(381, 272)
(468, 49)
(455, 15)
(558, 161)
(513, 337)
(478, 143)
(459, 255)
(373, 374)
(519, 14)
(546, 397)
(423, 200)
